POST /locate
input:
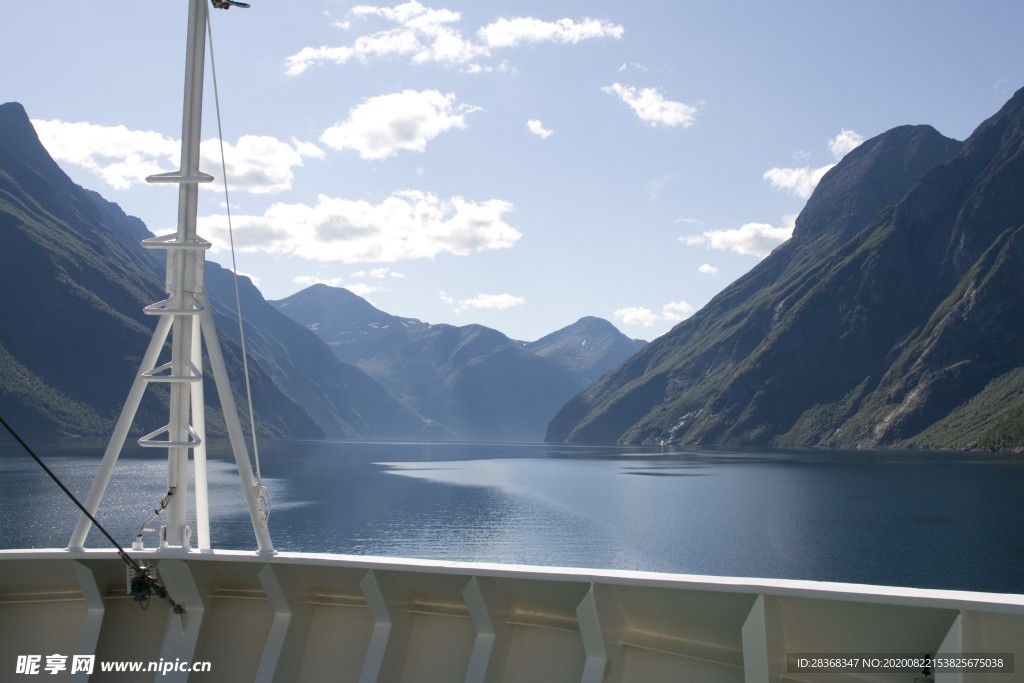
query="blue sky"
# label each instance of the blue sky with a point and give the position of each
(518, 165)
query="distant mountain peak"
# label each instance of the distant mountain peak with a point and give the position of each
(591, 345)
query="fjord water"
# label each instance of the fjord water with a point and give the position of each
(936, 520)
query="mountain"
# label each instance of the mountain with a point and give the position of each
(476, 381)
(892, 318)
(340, 398)
(74, 331)
(350, 325)
(590, 347)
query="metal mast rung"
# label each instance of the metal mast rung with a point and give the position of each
(150, 440)
(164, 308)
(180, 178)
(163, 374)
(172, 242)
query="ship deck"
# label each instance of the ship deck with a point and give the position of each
(314, 617)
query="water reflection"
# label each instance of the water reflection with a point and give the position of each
(931, 520)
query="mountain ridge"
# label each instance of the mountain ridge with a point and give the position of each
(79, 327)
(802, 350)
(475, 380)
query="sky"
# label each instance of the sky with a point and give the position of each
(514, 164)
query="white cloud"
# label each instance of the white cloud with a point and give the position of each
(382, 126)
(308, 280)
(797, 181)
(258, 163)
(123, 157)
(411, 13)
(629, 66)
(510, 32)
(652, 107)
(423, 34)
(636, 315)
(645, 317)
(676, 311)
(408, 224)
(307, 56)
(362, 289)
(844, 143)
(443, 295)
(120, 156)
(754, 239)
(707, 269)
(801, 181)
(378, 273)
(503, 67)
(537, 128)
(253, 278)
(494, 302)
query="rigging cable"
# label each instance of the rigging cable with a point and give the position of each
(234, 268)
(144, 583)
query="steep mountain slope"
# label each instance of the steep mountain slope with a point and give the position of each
(342, 399)
(889, 319)
(74, 331)
(474, 380)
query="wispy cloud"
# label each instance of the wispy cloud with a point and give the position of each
(707, 269)
(511, 32)
(797, 181)
(656, 187)
(631, 66)
(382, 126)
(408, 224)
(636, 315)
(652, 107)
(423, 34)
(378, 273)
(674, 311)
(362, 289)
(538, 129)
(844, 143)
(122, 157)
(493, 302)
(802, 180)
(308, 280)
(753, 239)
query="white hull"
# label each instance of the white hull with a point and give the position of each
(315, 617)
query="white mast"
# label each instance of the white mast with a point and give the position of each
(185, 314)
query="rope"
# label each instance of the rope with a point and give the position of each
(234, 265)
(146, 583)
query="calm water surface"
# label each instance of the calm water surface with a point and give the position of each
(929, 520)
